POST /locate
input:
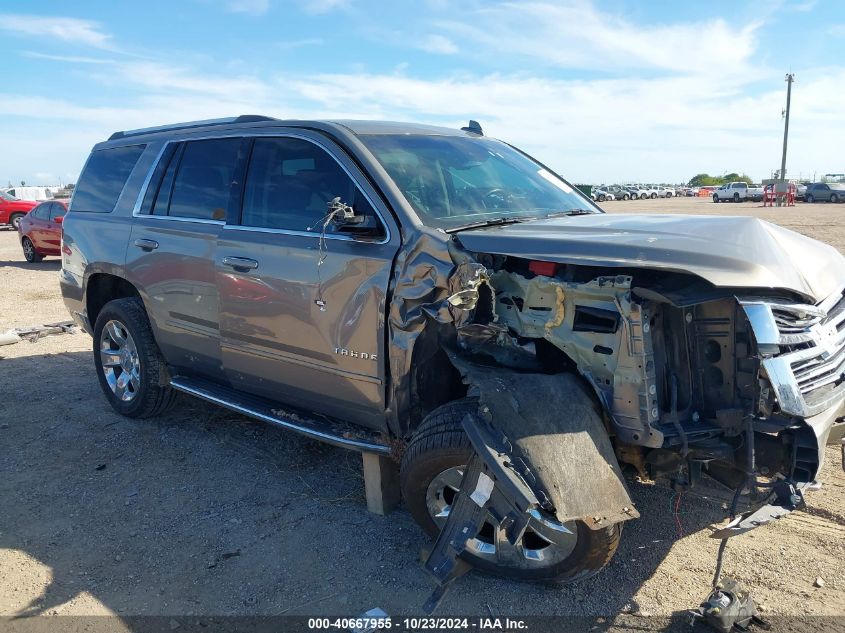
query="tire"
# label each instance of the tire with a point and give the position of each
(29, 252)
(601, 198)
(15, 219)
(834, 198)
(147, 393)
(440, 446)
(810, 199)
(653, 196)
(736, 197)
(715, 198)
(626, 197)
(668, 194)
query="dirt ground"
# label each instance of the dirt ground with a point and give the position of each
(203, 512)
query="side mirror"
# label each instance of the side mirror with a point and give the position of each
(59, 219)
(343, 216)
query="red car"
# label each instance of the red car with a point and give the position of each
(41, 230)
(12, 209)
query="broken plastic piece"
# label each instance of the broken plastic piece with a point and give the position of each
(785, 498)
(489, 486)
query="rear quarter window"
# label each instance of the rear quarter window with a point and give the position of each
(104, 177)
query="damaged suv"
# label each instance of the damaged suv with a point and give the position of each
(440, 297)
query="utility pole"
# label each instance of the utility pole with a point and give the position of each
(790, 77)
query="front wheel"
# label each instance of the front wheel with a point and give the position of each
(834, 198)
(549, 551)
(626, 197)
(715, 198)
(131, 370)
(29, 251)
(15, 220)
(653, 196)
(736, 197)
(810, 199)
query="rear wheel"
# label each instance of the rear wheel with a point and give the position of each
(736, 197)
(626, 197)
(431, 474)
(653, 196)
(811, 199)
(834, 198)
(29, 251)
(15, 220)
(715, 198)
(130, 367)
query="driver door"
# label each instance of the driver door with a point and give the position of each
(303, 310)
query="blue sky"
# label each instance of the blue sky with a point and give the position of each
(601, 91)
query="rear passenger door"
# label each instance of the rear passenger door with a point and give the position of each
(172, 249)
(302, 310)
(39, 219)
(53, 234)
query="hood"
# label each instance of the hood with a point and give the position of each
(726, 251)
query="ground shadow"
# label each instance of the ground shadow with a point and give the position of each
(203, 512)
(54, 263)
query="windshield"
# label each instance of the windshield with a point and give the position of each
(456, 181)
(6, 196)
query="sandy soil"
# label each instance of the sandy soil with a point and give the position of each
(203, 512)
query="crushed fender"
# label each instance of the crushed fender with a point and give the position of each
(561, 447)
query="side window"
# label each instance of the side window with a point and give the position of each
(203, 179)
(160, 201)
(289, 184)
(56, 210)
(42, 211)
(103, 179)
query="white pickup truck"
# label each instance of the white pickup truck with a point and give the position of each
(736, 191)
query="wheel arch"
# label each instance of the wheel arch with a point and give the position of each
(102, 287)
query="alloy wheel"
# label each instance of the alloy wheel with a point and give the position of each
(546, 541)
(120, 361)
(28, 249)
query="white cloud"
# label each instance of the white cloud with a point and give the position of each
(157, 77)
(438, 44)
(250, 7)
(577, 35)
(67, 58)
(66, 29)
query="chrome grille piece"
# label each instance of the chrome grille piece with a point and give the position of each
(807, 371)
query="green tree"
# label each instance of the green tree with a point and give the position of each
(703, 180)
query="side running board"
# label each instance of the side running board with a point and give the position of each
(335, 433)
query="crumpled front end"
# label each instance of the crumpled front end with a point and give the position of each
(802, 362)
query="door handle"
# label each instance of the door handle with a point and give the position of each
(240, 263)
(147, 245)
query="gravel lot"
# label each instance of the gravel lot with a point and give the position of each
(203, 512)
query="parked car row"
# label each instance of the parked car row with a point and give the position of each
(631, 192)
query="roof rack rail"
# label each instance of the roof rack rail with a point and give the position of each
(244, 118)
